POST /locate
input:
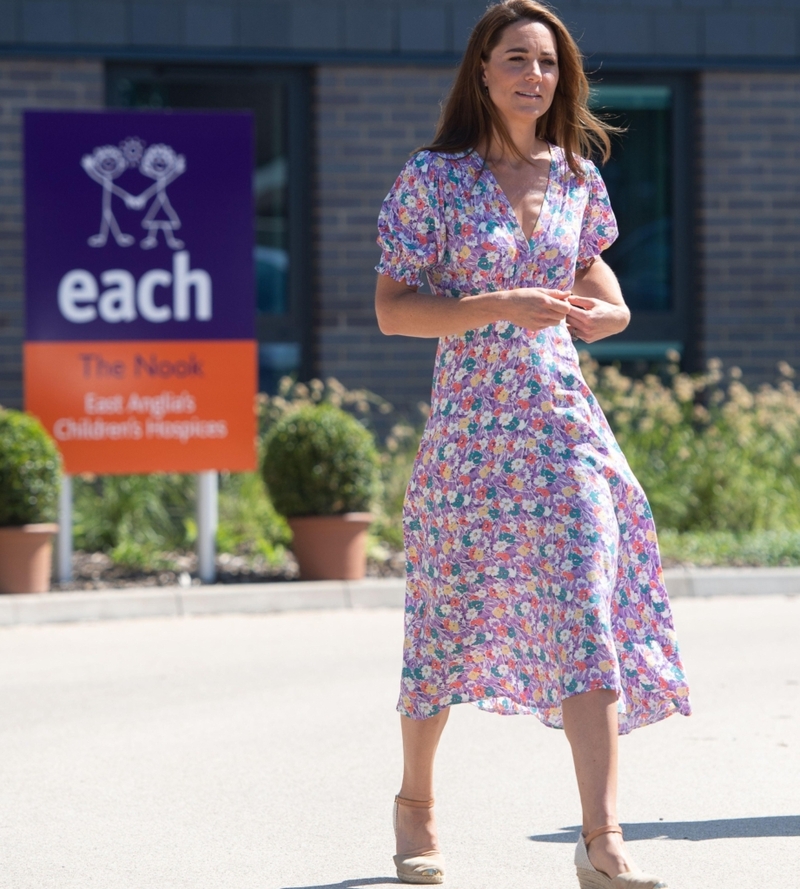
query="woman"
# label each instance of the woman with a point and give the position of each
(534, 580)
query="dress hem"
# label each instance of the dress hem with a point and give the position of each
(669, 707)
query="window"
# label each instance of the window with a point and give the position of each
(279, 100)
(647, 179)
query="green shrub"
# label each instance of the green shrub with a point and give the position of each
(30, 467)
(319, 460)
(711, 454)
(710, 548)
(397, 461)
(139, 519)
(396, 452)
(134, 518)
(248, 522)
(292, 395)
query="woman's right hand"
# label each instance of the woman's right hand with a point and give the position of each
(535, 307)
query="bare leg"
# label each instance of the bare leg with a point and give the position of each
(416, 828)
(590, 723)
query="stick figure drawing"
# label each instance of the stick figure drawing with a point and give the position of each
(104, 165)
(158, 162)
(162, 164)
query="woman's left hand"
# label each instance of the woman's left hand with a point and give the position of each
(593, 319)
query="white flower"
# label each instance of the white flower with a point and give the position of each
(132, 150)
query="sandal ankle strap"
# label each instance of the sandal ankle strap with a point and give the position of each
(594, 834)
(414, 803)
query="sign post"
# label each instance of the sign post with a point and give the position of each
(207, 519)
(140, 351)
(64, 555)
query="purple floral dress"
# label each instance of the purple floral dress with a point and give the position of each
(533, 570)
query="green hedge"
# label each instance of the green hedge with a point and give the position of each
(711, 454)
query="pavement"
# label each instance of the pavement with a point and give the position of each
(261, 751)
(266, 598)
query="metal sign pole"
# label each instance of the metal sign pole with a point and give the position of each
(207, 519)
(65, 529)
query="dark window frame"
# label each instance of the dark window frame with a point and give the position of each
(296, 326)
(643, 338)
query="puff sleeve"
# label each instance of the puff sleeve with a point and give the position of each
(599, 227)
(411, 230)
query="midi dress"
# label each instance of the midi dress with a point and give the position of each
(532, 564)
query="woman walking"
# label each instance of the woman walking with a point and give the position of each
(534, 582)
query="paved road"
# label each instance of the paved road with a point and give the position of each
(261, 753)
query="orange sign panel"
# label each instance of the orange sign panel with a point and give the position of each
(146, 406)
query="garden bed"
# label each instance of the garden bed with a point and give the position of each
(97, 571)
(720, 464)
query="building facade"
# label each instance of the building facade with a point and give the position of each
(706, 181)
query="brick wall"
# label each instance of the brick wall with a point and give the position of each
(367, 122)
(748, 198)
(703, 28)
(749, 210)
(28, 84)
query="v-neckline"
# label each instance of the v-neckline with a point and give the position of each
(550, 177)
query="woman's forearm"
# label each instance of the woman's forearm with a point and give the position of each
(599, 307)
(404, 311)
(599, 282)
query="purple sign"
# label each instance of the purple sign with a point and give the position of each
(139, 225)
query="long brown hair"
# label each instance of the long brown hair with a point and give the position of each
(470, 119)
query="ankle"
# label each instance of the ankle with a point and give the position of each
(410, 801)
(598, 819)
(415, 792)
(595, 830)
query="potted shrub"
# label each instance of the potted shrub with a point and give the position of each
(29, 477)
(321, 470)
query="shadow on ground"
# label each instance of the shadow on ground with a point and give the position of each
(722, 828)
(355, 883)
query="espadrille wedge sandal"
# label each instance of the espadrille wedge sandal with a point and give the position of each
(423, 865)
(591, 878)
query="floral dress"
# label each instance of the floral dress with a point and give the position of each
(533, 570)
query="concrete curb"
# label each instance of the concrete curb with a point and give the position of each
(266, 598)
(704, 582)
(245, 598)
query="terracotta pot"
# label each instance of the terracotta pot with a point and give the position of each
(331, 547)
(26, 558)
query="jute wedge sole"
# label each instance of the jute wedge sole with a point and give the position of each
(427, 867)
(422, 865)
(591, 878)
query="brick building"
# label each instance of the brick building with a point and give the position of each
(706, 184)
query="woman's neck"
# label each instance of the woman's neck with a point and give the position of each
(525, 140)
